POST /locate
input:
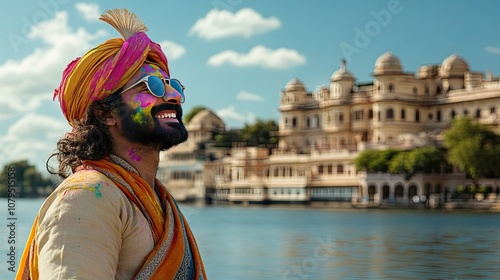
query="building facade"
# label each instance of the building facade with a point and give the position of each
(181, 168)
(321, 133)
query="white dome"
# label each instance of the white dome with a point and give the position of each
(387, 64)
(342, 73)
(426, 71)
(453, 66)
(295, 85)
(206, 119)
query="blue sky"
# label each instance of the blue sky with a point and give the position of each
(234, 56)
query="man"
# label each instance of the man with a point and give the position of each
(111, 218)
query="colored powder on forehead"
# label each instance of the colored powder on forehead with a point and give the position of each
(153, 69)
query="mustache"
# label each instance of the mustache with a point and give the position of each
(166, 106)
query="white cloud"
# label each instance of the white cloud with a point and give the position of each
(40, 71)
(221, 23)
(32, 137)
(278, 59)
(230, 113)
(172, 50)
(245, 95)
(231, 116)
(89, 11)
(27, 82)
(493, 50)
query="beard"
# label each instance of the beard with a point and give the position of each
(162, 136)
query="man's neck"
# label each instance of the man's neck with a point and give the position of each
(145, 160)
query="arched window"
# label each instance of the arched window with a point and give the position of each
(340, 169)
(478, 113)
(398, 192)
(438, 116)
(370, 114)
(417, 116)
(412, 191)
(316, 122)
(403, 114)
(294, 122)
(371, 192)
(391, 87)
(385, 192)
(330, 169)
(390, 114)
(453, 114)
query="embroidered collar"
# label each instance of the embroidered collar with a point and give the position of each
(123, 163)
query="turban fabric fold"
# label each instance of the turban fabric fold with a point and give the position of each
(103, 70)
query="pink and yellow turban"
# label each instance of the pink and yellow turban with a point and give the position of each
(107, 67)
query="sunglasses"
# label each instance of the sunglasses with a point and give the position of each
(156, 86)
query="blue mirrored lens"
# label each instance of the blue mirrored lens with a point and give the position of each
(156, 86)
(178, 87)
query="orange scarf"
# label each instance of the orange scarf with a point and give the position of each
(165, 261)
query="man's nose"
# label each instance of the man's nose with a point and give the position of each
(172, 95)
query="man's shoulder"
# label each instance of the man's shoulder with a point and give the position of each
(85, 188)
(88, 180)
(88, 176)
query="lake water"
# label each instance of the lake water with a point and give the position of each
(300, 243)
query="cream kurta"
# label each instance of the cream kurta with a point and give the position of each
(88, 229)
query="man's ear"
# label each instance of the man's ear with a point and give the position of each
(105, 117)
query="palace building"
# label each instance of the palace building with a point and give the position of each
(321, 132)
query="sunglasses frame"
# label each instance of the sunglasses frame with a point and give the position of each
(145, 80)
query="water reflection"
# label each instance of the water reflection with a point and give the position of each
(270, 243)
(287, 243)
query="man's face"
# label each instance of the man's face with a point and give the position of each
(150, 120)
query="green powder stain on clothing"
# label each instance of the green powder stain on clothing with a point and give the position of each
(97, 191)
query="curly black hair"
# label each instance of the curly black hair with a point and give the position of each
(89, 140)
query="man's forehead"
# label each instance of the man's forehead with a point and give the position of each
(147, 69)
(152, 69)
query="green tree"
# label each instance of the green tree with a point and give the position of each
(261, 133)
(399, 163)
(27, 178)
(473, 148)
(373, 161)
(424, 159)
(32, 179)
(227, 138)
(195, 110)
